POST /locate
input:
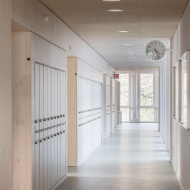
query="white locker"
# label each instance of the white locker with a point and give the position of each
(50, 126)
(37, 125)
(89, 116)
(113, 109)
(107, 110)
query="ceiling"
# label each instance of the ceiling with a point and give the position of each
(145, 20)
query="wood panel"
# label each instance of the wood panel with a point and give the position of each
(72, 110)
(6, 96)
(21, 79)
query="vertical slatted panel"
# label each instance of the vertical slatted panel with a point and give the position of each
(45, 104)
(37, 127)
(55, 129)
(49, 131)
(41, 128)
(52, 130)
(63, 112)
(59, 127)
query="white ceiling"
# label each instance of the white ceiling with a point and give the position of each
(145, 20)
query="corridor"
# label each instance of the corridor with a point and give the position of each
(132, 158)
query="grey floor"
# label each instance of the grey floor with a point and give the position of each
(132, 158)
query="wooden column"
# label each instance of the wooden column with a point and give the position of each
(72, 110)
(21, 109)
(5, 96)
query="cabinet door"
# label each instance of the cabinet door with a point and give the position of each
(52, 129)
(37, 125)
(49, 132)
(45, 109)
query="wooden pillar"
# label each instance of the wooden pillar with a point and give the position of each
(21, 109)
(72, 111)
(5, 96)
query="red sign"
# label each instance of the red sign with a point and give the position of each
(116, 76)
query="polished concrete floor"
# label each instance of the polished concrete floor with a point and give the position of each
(132, 158)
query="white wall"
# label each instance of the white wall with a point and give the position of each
(6, 96)
(181, 136)
(30, 14)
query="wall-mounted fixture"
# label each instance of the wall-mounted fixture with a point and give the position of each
(47, 19)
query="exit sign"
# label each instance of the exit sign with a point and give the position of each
(116, 76)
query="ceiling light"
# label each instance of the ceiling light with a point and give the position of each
(122, 31)
(115, 10)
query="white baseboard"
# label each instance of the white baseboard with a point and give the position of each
(89, 153)
(178, 177)
(59, 183)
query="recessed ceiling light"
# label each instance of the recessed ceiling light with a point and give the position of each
(122, 31)
(115, 10)
(127, 44)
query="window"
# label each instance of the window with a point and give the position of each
(146, 97)
(176, 91)
(125, 96)
(184, 90)
(146, 89)
(147, 114)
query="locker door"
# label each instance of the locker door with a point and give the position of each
(41, 128)
(55, 129)
(45, 103)
(63, 126)
(37, 125)
(49, 130)
(52, 129)
(59, 127)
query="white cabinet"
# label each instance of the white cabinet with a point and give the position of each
(113, 109)
(89, 116)
(50, 126)
(107, 110)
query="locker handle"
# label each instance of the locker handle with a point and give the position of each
(44, 139)
(51, 136)
(36, 142)
(63, 131)
(55, 135)
(36, 121)
(55, 117)
(60, 132)
(45, 119)
(48, 137)
(40, 120)
(51, 118)
(40, 141)
(48, 118)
